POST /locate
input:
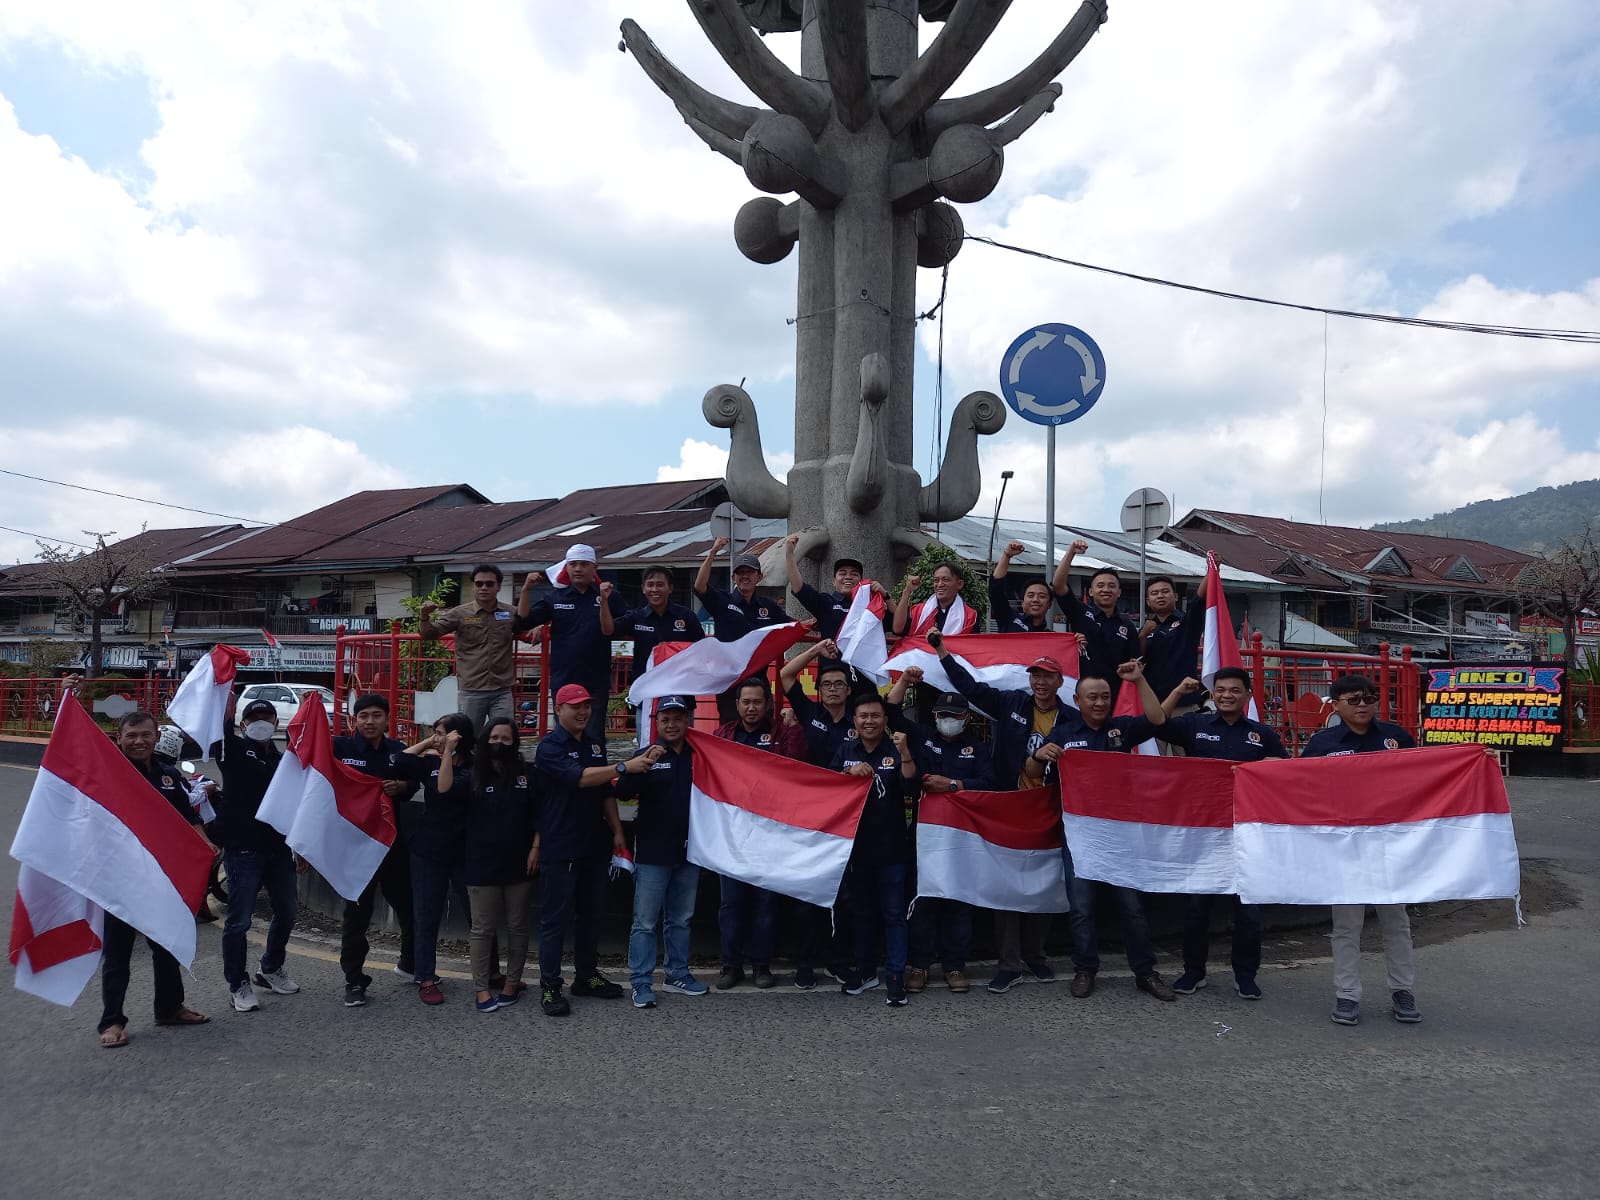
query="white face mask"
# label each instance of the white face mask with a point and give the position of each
(951, 726)
(260, 731)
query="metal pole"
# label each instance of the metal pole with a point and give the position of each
(1144, 534)
(1050, 505)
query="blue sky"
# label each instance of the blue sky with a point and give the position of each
(253, 258)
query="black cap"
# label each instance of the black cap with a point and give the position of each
(848, 562)
(950, 702)
(261, 706)
(673, 704)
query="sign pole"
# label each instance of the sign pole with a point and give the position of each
(1050, 505)
(1144, 532)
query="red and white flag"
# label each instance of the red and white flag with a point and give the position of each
(1400, 827)
(709, 666)
(861, 641)
(96, 837)
(268, 638)
(1129, 704)
(1218, 646)
(999, 850)
(998, 659)
(200, 705)
(558, 575)
(332, 815)
(1152, 824)
(645, 725)
(770, 821)
(958, 620)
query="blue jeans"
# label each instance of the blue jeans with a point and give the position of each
(571, 892)
(1197, 935)
(432, 883)
(248, 871)
(661, 896)
(1086, 941)
(878, 901)
(736, 898)
(946, 924)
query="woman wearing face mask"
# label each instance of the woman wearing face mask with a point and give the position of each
(439, 841)
(502, 851)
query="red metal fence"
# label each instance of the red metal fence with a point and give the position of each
(1291, 687)
(28, 704)
(1583, 714)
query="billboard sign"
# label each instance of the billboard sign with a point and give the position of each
(1505, 706)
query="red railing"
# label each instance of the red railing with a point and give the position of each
(1583, 714)
(1291, 687)
(28, 704)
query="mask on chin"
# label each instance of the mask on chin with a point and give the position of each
(951, 726)
(260, 731)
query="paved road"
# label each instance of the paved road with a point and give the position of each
(1029, 1094)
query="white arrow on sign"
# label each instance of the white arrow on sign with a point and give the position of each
(1028, 402)
(1038, 341)
(1088, 379)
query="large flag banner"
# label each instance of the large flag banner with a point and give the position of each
(998, 659)
(770, 821)
(1153, 824)
(332, 815)
(709, 666)
(1400, 827)
(999, 850)
(96, 836)
(200, 705)
(861, 641)
(1218, 647)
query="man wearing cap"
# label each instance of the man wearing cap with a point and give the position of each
(1020, 722)
(485, 633)
(758, 728)
(1033, 614)
(737, 613)
(576, 833)
(950, 759)
(1112, 637)
(1094, 728)
(582, 618)
(657, 620)
(664, 880)
(830, 608)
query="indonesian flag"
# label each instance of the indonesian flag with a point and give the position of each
(558, 575)
(1399, 827)
(861, 641)
(958, 620)
(770, 821)
(266, 636)
(332, 815)
(1130, 705)
(998, 659)
(999, 850)
(646, 727)
(200, 705)
(97, 838)
(1218, 648)
(709, 666)
(1152, 824)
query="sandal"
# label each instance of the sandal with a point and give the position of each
(184, 1016)
(114, 1037)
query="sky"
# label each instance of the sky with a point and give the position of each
(254, 257)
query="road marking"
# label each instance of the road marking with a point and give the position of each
(19, 767)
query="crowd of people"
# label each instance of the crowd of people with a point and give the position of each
(494, 825)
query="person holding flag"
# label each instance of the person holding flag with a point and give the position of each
(1095, 728)
(1169, 640)
(657, 621)
(1111, 636)
(829, 608)
(1033, 614)
(944, 611)
(1228, 734)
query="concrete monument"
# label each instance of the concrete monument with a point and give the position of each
(864, 139)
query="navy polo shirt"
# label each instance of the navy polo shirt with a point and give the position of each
(649, 629)
(661, 829)
(1207, 735)
(824, 735)
(383, 761)
(169, 781)
(579, 652)
(1341, 739)
(1008, 616)
(440, 833)
(1117, 734)
(964, 758)
(571, 818)
(881, 836)
(829, 608)
(247, 770)
(1111, 641)
(732, 616)
(1172, 650)
(500, 823)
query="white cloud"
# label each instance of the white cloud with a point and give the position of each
(704, 460)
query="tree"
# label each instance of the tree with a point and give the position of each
(96, 582)
(1564, 585)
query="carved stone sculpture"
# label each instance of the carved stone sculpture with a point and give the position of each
(866, 141)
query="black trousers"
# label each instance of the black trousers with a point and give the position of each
(115, 963)
(394, 879)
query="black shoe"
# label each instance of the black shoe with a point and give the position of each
(1042, 971)
(729, 977)
(552, 1001)
(764, 978)
(355, 995)
(805, 978)
(896, 991)
(597, 987)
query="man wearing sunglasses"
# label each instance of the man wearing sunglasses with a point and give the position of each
(1355, 702)
(485, 633)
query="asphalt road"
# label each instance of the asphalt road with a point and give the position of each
(1029, 1094)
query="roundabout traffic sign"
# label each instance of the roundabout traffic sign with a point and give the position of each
(1052, 374)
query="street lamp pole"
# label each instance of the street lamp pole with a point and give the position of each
(1005, 478)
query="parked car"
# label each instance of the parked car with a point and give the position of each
(285, 697)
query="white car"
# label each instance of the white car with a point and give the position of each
(285, 697)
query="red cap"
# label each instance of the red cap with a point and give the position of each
(573, 693)
(1046, 663)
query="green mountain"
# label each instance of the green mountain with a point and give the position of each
(1534, 521)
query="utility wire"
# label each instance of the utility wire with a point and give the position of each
(39, 537)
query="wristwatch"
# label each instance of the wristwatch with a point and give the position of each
(622, 769)
(955, 786)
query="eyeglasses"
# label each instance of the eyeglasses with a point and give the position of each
(1359, 698)
(490, 584)
(833, 683)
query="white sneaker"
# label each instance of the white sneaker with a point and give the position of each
(243, 998)
(277, 981)
(405, 976)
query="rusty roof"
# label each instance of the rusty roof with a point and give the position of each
(678, 537)
(424, 532)
(584, 507)
(1249, 553)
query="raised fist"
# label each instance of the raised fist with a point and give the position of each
(935, 638)
(1079, 546)
(718, 546)
(913, 582)
(792, 540)
(899, 740)
(828, 648)
(913, 674)
(429, 607)
(789, 718)
(532, 580)
(605, 589)
(1014, 548)
(1132, 669)
(1189, 686)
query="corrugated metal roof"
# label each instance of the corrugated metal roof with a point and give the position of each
(585, 506)
(678, 538)
(1252, 554)
(425, 531)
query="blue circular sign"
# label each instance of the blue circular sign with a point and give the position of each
(1052, 374)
